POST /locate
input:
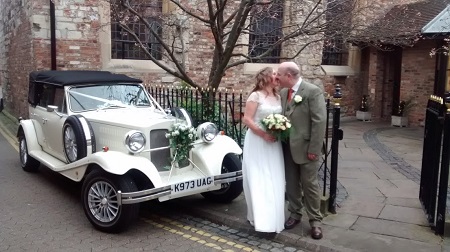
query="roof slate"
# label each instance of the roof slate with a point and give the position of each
(402, 24)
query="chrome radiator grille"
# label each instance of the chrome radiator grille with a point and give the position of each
(160, 158)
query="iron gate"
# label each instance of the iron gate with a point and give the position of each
(435, 162)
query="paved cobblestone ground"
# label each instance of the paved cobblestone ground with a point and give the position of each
(389, 156)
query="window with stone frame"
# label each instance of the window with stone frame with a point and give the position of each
(335, 50)
(266, 22)
(123, 45)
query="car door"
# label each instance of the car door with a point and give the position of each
(48, 124)
(53, 121)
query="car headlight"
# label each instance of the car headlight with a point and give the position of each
(207, 131)
(135, 141)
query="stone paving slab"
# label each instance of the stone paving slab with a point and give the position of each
(388, 173)
(356, 173)
(406, 192)
(396, 229)
(405, 202)
(356, 207)
(361, 164)
(342, 220)
(404, 214)
(364, 241)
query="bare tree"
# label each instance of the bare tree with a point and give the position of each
(243, 31)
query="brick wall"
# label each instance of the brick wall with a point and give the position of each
(418, 74)
(17, 54)
(77, 24)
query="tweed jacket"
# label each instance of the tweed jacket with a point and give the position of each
(308, 119)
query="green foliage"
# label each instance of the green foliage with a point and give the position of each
(405, 107)
(203, 110)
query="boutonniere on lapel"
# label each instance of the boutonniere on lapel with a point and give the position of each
(298, 99)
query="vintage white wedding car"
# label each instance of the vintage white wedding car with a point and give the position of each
(106, 131)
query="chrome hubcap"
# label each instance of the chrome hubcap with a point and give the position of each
(102, 201)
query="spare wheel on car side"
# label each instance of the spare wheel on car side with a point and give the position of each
(78, 138)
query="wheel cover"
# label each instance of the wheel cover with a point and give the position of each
(102, 201)
(23, 151)
(70, 144)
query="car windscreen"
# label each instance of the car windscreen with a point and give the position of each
(105, 96)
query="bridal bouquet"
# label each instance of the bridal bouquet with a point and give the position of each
(278, 125)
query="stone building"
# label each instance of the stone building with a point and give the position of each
(85, 39)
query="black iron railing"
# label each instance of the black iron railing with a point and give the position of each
(224, 108)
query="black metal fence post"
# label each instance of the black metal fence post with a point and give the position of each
(337, 135)
(445, 163)
(325, 160)
(431, 157)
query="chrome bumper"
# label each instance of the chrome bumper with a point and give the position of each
(150, 194)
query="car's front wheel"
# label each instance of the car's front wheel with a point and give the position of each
(100, 201)
(229, 191)
(27, 162)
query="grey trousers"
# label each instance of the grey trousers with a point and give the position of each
(302, 189)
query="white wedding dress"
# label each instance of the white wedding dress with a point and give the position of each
(263, 172)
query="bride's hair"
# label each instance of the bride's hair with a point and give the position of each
(263, 78)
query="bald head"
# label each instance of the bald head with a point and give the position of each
(290, 67)
(288, 74)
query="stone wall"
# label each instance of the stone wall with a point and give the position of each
(16, 48)
(83, 42)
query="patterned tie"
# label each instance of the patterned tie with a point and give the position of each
(290, 92)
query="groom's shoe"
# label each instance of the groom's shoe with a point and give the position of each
(291, 223)
(316, 233)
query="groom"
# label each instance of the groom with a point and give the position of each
(304, 104)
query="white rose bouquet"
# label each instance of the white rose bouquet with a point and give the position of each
(181, 138)
(278, 125)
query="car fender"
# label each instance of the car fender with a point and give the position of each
(29, 131)
(119, 163)
(211, 155)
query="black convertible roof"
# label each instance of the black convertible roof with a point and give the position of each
(73, 77)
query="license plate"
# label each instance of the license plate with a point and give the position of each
(192, 185)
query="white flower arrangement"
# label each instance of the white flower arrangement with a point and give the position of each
(181, 139)
(277, 125)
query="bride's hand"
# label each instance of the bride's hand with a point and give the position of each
(269, 138)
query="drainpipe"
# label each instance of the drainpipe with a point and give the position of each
(52, 35)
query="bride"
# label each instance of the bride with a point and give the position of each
(263, 164)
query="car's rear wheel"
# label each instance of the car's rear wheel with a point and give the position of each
(75, 138)
(229, 191)
(100, 201)
(27, 162)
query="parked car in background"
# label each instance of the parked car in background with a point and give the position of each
(105, 131)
